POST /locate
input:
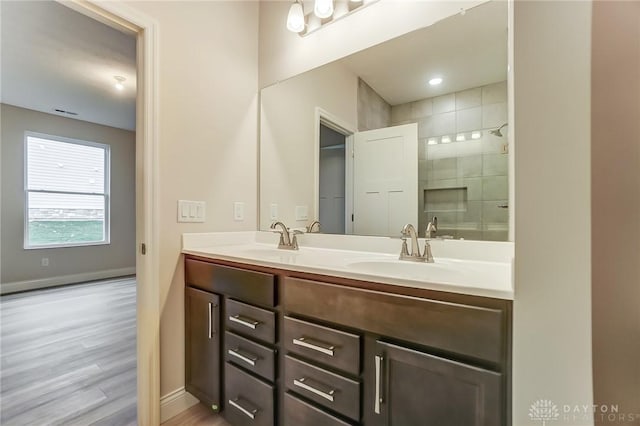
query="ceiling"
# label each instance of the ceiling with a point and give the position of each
(467, 51)
(56, 58)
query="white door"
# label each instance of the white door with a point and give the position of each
(385, 180)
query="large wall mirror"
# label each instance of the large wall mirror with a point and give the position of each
(402, 132)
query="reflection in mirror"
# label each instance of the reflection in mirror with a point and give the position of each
(366, 144)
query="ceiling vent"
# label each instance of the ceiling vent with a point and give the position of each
(61, 111)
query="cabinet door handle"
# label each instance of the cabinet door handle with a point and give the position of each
(244, 356)
(316, 346)
(303, 383)
(249, 412)
(210, 326)
(378, 401)
(247, 322)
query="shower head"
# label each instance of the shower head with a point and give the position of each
(497, 131)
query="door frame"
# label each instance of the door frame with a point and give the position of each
(129, 20)
(348, 130)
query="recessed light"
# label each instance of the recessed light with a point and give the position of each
(432, 141)
(445, 139)
(460, 138)
(476, 135)
(435, 81)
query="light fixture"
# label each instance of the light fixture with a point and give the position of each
(325, 12)
(460, 137)
(295, 19)
(119, 80)
(435, 81)
(476, 135)
(323, 8)
(445, 139)
(432, 141)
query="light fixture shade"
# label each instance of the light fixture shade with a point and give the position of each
(295, 19)
(323, 8)
(119, 82)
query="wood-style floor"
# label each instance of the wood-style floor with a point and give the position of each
(68, 355)
(198, 415)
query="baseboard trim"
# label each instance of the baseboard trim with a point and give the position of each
(16, 286)
(175, 403)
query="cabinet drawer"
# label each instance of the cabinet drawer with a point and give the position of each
(473, 331)
(250, 355)
(250, 321)
(331, 390)
(248, 401)
(335, 348)
(251, 286)
(298, 413)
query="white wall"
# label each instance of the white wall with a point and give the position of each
(18, 264)
(552, 309)
(284, 54)
(208, 118)
(287, 126)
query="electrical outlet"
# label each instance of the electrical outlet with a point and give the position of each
(273, 212)
(505, 148)
(238, 211)
(44, 261)
(302, 213)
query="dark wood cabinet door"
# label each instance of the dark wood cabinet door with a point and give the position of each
(413, 388)
(202, 310)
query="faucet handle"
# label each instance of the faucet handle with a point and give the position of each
(404, 251)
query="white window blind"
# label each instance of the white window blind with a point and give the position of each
(66, 192)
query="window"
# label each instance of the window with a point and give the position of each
(66, 192)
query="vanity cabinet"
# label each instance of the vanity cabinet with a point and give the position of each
(202, 346)
(306, 350)
(245, 382)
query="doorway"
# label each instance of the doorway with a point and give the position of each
(123, 17)
(332, 190)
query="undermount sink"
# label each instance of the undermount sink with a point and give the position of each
(402, 268)
(266, 251)
(442, 270)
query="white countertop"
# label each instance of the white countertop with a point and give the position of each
(478, 268)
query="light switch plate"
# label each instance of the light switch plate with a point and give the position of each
(238, 211)
(273, 212)
(302, 213)
(191, 211)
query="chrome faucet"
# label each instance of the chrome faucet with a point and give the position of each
(408, 231)
(286, 242)
(432, 228)
(315, 224)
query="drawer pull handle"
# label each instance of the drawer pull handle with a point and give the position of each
(241, 355)
(316, 346)
(303, 383)
(249, 412)
(210, 326)
(247, 322)
(378, 400)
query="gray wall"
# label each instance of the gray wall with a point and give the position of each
(373, 111)
(25, 265)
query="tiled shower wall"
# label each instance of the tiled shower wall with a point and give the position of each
(463, 183)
